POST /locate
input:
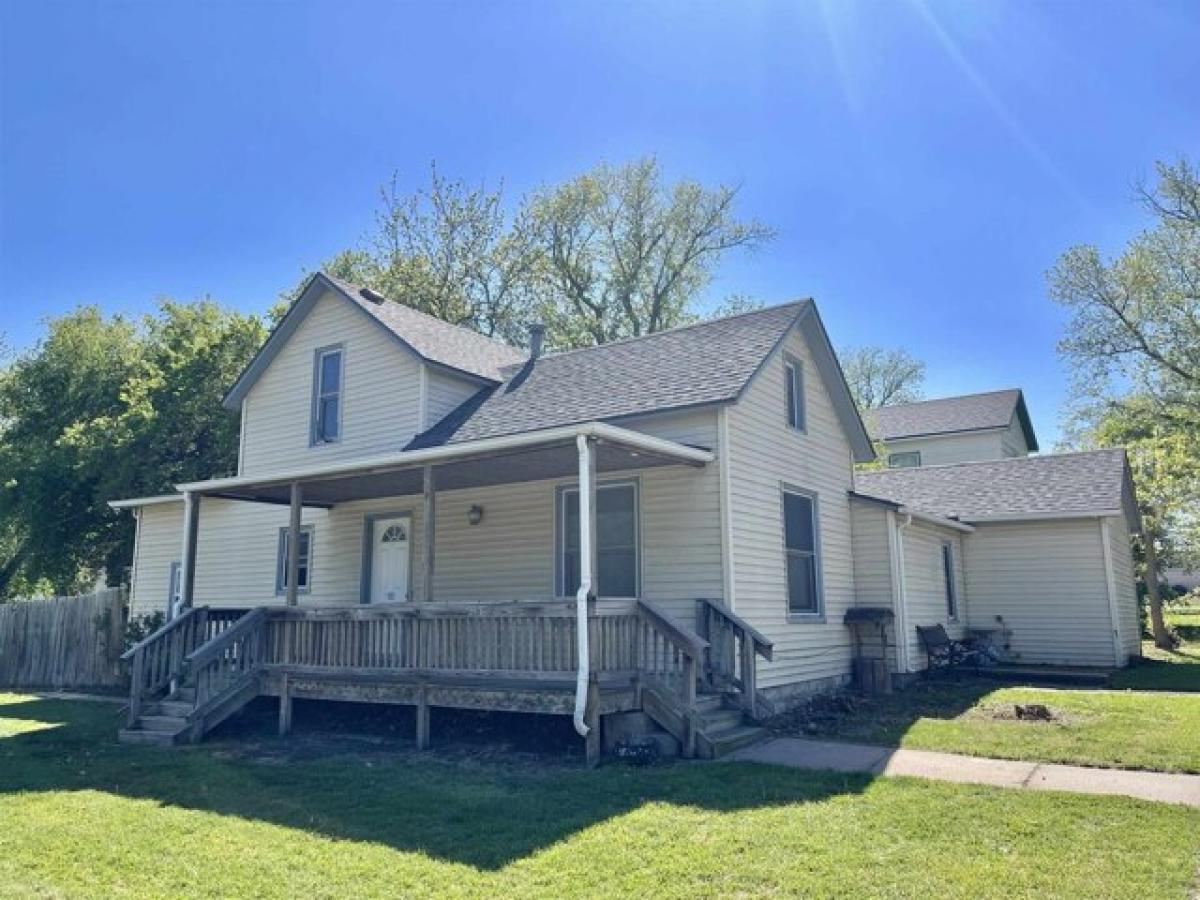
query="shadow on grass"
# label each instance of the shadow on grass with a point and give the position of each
(1162, 670)
(481, 812)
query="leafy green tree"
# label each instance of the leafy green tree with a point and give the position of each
(1133, 341)
(105, 408)
(881, 377)
(614, 253)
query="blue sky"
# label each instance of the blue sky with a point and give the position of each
(923, 162)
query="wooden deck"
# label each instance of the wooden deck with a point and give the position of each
(503, 656)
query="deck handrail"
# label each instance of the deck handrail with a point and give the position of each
(732, 659)
(163, 631)
(685, 640)
(216, 647)
(763, 645)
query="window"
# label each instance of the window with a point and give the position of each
(793, 384)
(174, 588)
(906, 460)
(327, 396)
(303, 579)
(616, 539)
(801, 541)
(948, 576)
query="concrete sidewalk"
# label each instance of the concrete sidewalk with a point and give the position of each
(1161, 787)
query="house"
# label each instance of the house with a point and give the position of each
(994, 425)
(663, 532)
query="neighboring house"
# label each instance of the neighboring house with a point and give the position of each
(1181, 578)
(667, 526)
(994, 425)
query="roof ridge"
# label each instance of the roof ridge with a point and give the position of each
(690, 325)
(951, 397)
(358, 288)
(982, 462)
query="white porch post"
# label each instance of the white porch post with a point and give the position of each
(187, 556)
(293, 555)
(587, 583)
(430, 518)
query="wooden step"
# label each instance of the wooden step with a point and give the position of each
(153, 738)
(713, 745)
(185, 694)
(168, 708)
(171, 724)
(719, 720)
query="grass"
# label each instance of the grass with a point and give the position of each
(1168, 670)
(1093, 728)
(84, 817)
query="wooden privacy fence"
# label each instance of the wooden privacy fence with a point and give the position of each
(63, 642)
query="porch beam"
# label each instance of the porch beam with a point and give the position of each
(187, 556)
(429, 520)
(293, 555)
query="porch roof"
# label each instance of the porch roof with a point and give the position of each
(530, 456)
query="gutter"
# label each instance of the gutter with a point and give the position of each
(599, 431)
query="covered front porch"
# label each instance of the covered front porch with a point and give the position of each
(577, 652)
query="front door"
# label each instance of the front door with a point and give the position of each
(389, 559)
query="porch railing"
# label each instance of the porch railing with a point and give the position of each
(730, 660)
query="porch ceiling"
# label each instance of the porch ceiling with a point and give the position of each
(511, 461)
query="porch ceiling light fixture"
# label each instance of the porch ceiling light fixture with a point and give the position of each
(475, 514)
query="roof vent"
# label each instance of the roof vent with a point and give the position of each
(374, 296)
(537, 333)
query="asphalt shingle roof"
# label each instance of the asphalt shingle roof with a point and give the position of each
(1063, 483)
(709, 362)
(436, 340)
(946, 415)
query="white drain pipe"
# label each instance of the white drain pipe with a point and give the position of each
(585, 581)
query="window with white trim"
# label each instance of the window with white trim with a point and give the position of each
(906, 460)
(793, 386)
(801, 540)
(948, 577)
(304, 571)
(617, 557)
(327, 396)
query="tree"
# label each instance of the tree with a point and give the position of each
(626, 254)
(616, 252)
(1133, 342)
(104, 408)
(881, 377)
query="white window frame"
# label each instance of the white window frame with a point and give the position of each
(560, 537)
(319, 393)
(796, 412)
(948, 575)
(892, 464)
(818, 614)
(305, 564)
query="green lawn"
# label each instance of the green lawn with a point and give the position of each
(84, 817)
(1093, 728)
(1168, 670)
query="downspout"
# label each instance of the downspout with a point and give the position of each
(585, 582)
(902, 594)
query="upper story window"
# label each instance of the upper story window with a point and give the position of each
(907, 459)
(793, 386)
(616, 539)
(327, 396)
(801, 539)
(948, 574)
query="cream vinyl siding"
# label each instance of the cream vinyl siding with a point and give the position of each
(925, 585)
(872, 554)
(1013, 440)
(764, 455)
(1047, 579)
(445, 393)
(380, 393)
(509, 555)
(952, 448)
(1129, 625)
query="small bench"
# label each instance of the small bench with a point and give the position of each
(943, 651)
